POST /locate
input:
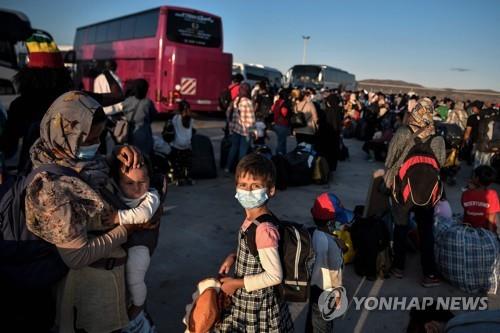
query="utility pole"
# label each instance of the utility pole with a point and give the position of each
(306, 39)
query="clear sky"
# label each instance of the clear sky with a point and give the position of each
(437, 43)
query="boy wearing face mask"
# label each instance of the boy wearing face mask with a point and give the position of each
(256, 306)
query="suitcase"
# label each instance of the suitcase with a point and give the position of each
(203, 160)
(300, 168)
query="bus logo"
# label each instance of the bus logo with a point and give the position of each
(188, 86)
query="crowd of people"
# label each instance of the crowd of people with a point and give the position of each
(416, 138)
(91, 180)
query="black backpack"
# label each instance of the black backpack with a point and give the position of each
(26, 260)
(225, 99)
(296, 254)
(264, 104)
(488, 134)
(418, 181)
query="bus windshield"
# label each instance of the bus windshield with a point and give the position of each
(306, 73)
(306, 76)
(194, 28)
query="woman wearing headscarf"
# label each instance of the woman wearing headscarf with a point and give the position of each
(458, 116)
(241, 126)
(421, 126)
(70, 213)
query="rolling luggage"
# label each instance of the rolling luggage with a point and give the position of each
(203, 160)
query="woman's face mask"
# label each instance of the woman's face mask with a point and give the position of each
(87, 153)
(252, 199)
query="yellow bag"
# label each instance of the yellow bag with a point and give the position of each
(452, 159)
(345, 236)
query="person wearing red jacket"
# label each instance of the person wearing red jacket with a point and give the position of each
(281, 113)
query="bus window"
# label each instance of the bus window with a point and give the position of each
(194, 29)
(101, 33)
(90, 35)
(127, 27)
(146, 25)
(79, 37)
(113, 31)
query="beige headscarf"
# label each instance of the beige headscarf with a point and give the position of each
(420, 119)
(64, 127)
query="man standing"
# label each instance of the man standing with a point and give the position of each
(103, 86)
(471, 135)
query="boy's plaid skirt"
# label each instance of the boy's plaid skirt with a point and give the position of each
(257, 311)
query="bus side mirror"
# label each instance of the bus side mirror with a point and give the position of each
(70, 57)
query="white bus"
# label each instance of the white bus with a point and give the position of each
(253, 73)
(319, 76)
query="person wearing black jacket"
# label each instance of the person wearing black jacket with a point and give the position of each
(329, 129)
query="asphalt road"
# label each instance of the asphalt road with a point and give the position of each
(200, 228)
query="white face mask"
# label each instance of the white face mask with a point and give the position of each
(252, 199)
(87, 153)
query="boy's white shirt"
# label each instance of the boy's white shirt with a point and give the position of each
(142, 209)
(327, 269)
(101, 86)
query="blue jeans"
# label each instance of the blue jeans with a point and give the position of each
(239, 148)
(282, 132)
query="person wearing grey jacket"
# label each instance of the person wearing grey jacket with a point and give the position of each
(139, 111)
(420, 126)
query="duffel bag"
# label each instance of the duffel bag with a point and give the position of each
(467, 257)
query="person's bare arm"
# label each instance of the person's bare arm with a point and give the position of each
(492, 219)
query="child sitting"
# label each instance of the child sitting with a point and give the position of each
(256, 306)
(143, 201)
(327, 269)
(181, 146)
(480, 203)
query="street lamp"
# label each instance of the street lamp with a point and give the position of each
(306, 39)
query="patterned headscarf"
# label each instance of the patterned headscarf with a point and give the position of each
(420, 119)
(64, 127)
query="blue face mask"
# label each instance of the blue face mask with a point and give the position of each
(87, 153)
(252, 199)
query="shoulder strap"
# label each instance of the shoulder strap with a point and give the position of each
(250, 233)
(54, 169)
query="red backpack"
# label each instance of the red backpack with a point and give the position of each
(418, 181)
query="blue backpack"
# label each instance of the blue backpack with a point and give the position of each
(26, 260)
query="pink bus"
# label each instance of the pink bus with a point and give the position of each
(168, 46)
